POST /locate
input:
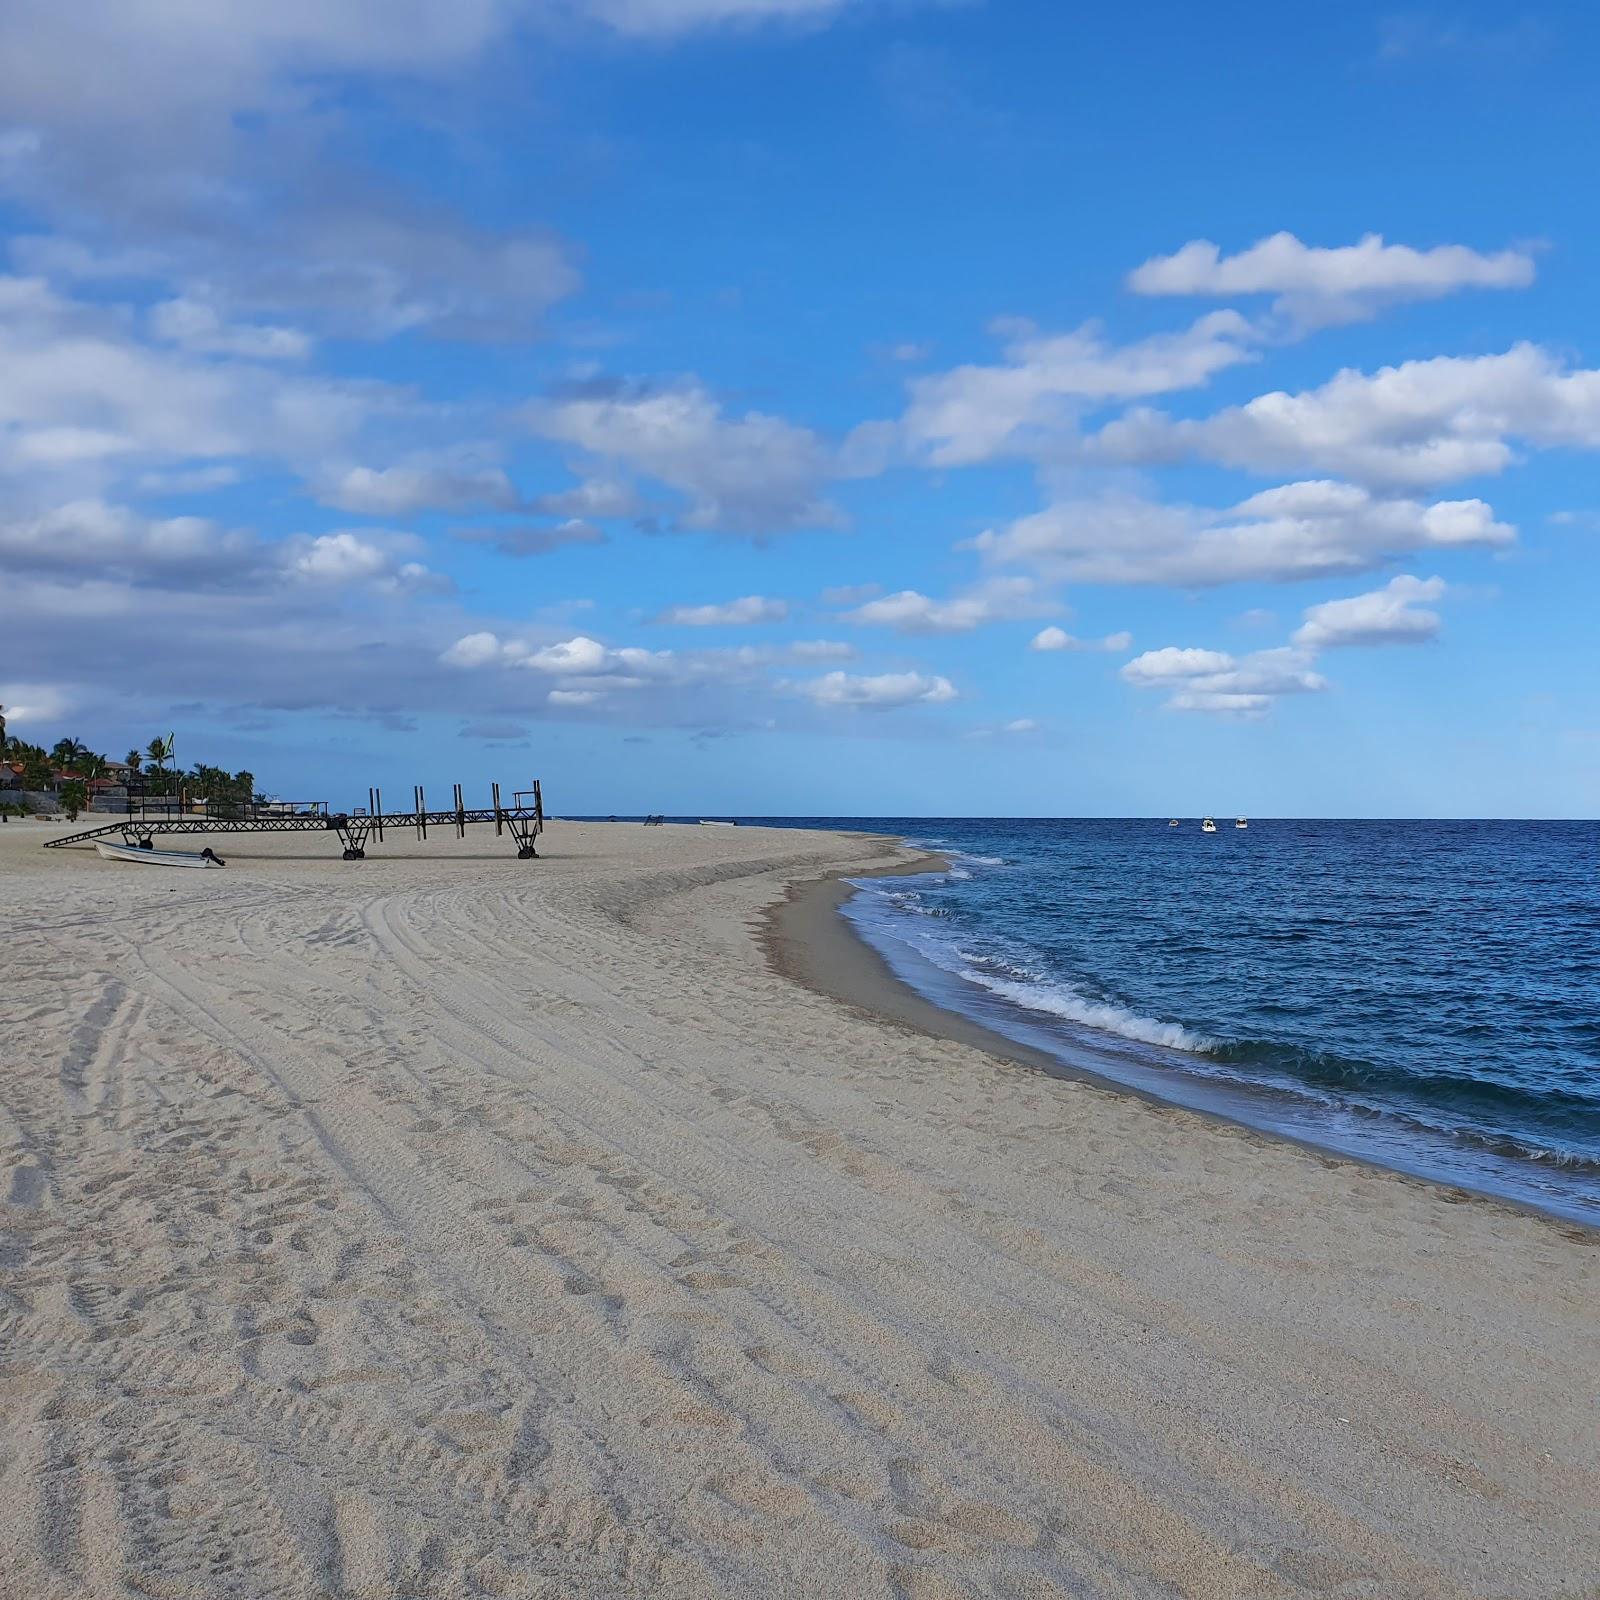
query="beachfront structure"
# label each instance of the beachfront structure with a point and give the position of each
(523, 819)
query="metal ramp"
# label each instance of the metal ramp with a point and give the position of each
(523, 819)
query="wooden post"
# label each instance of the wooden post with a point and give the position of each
(422, 823)
(461, 820)
(377, 800)
(498, 825)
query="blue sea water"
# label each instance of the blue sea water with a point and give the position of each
(1421, 994)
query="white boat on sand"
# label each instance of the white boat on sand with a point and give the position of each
(158, 858)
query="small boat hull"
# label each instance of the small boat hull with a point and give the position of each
(154, 858)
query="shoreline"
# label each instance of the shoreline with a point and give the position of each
(808, 939)
(443, 1223)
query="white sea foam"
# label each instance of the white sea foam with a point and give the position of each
(1058, 1001)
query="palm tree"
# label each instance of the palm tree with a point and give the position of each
(159, 751)
(74, 798)
(66, 751)
(135, 760)
(91, 766)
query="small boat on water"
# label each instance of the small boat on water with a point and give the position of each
(158, 858)
(1173, 823)
(1241, 822)
(1209, 825)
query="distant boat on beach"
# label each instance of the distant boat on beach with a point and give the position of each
(706, 822)
(156, 858)
(1209, 825)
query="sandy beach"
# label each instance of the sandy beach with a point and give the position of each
(604, 1226)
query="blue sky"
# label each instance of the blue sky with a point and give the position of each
(806, 406)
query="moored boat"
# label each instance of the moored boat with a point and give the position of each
(1209, 825)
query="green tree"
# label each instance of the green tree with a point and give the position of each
(135, 760)
(159, 751)
(37, 770)
(67, 752)
(91, 766)
(74, 798)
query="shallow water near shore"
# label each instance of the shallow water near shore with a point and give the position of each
(1421, 994)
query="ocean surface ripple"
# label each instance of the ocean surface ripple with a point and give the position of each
(1422, 994)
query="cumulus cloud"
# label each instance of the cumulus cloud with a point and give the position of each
(403, 491)
(1389, 615)
(1295, 531)
(1214, 681)
(572, 659)
(751, 474)
(90, 538)
(1060, 639)
(998, 600)
(80, 393)
(1407, 427)
(880, 692)
(750, 608)
(1322, 285)
(346, 557)
(1028, 403)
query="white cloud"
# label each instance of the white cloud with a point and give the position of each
(197, 326)
(1412, 426)
(92, 538)
(79, 394)
(882, 691)
(1388, 615)
(595, 497)
(572, 660)
(1060, 639)
(575, 697)
(30, 703)
(1000, 599)
(1318, 285)
(1020, 725)
(667, 17)
(751, 608)
(1298, 530)
(340, 557)
(753, 474)
(405, 490)
(1029, 404)
(1214, 681)
(345, 557)
(822, 650)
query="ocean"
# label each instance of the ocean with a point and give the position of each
(1425, 995)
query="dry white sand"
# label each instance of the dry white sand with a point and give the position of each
(443, 1225)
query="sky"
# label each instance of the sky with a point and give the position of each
(792, 407)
